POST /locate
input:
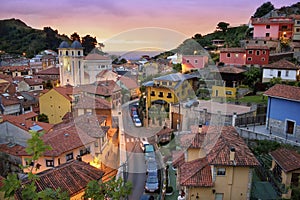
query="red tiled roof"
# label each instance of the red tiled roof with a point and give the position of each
(15, 68)
(218, 143)
(71, 177)
(94, 103)
(49, 71)
(34, 81)
(231, 70)
(284, 92)
(258, 47)
(104, 72)
(15, 150)
(65, 91)
(177, 158)
(272, 20)
(103, 88)
(129, 83)
(287, 159)
(196, 173)
(232, 50)
(282, 64)
(164, 131)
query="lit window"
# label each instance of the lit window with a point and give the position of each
(236, 55)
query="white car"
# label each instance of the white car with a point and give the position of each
(143, 144)
(137, 122)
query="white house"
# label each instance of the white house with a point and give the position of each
(284, 69)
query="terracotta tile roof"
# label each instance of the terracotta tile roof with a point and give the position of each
(128, 82)
(65, 91)
(15, 150)
(272, 20)
(34, 81)
(231, 70)
(218, 143)
(71, 177)
(287, 159)
(284, 92)
(282, 64)
(96, 56)
(106, 72)
(177, 158)
(65, 137)
(9, 101)
(164, 131)
(196, 173)
(49, 71)
(103, 88)
(257, 47)
(232, 50)
(93, 103)
(15, 68)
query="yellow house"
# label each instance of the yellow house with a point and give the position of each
(72, 178)
(56, 103)
(217, 165)
(170, 88)
(286, 167)
(222, 91)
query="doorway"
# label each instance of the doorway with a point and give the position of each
(290, 125)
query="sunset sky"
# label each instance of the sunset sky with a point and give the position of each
(107, 19)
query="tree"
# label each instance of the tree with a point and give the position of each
(177, 67)
(88, 43)
(43, 118)
(274, 81)
(75, 36)
(114, 189)
(252, 76)
(264, 9)
(222, 26)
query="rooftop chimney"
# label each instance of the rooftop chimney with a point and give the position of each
(232, 154)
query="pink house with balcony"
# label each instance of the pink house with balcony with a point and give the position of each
(273, 28)
(233, 56)
(192, 62)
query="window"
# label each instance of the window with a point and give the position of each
(170, 83)
(298, 21)
(297, 30)
(187, 61)
(72, 53)
(169, 95)
(271, 72)
(164, 83)
(221, 171)
(219, 196)
(69, 156)
(67, 53)
(263, 59)
(78, 53)
(279, 74)
(41, 87)
(250, 52)
(257, 53)
(161, 94)
(284, 27)
(268, 26)
(264, 52)
(196, 61)
(49, 163)
(249, 58)
(85, 151)
(267, 34)
(228, 55)
(265, 42)
(228, 92)
(256, 42)
(247, 42)
(286, 72)
(96, 144)
(236, 55)
(152, 93)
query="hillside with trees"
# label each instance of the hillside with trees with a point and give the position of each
(18, 38)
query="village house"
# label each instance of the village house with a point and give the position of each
(286, 169)
(233, 56)
(282, 111)
(283, 69)
(216, 165)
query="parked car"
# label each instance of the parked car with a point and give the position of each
(152, 184)
(143, 144)
(149, 148)
(150, 155)
(134, 114)
(151, 166)
(137, 122)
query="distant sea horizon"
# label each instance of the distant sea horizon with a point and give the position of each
(134, 55)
